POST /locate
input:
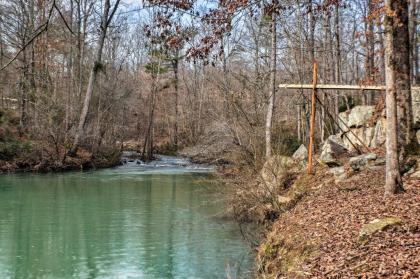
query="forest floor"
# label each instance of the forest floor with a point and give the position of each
(319, 236)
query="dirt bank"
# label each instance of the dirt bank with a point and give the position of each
(40, 157)
(319, 237)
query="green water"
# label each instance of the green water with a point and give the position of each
(116, 224)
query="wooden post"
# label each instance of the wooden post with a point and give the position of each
(312, 122)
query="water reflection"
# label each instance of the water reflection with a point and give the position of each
(105, 225)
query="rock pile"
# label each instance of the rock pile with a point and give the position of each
(361, 127)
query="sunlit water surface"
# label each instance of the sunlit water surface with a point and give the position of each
(139, 220)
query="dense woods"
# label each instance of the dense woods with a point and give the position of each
(236, 83)
(95, 73)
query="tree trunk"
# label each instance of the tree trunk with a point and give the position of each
(273, 67)
(394, 87)
(312, 54)
(401, 60)
(370, 53)
(311, 37)
(175, 65)
(147, 154)
(299, 122)
(96, 67)
(414, 41)
(381, 54)
(337, 56)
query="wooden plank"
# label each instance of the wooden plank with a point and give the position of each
(338, 87)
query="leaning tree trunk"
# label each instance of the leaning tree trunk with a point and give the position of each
(273, 67)
(395, 86)
(105, 21)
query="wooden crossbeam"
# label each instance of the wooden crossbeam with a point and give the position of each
(338, 87)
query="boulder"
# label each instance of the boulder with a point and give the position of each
(332, 149)
(379, 135)
(301, 154)
(364, 134)
(377, 225)
(343, 120)
(276, 170)
(339, 173)
(359, 115)
(418, 136)
(359, 162)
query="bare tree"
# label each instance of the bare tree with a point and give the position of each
(397, 86)
(106, 19)
(273, 72)
(414, 41)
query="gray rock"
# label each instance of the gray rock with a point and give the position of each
(359, 162)
(301, 153)
(363, 134)
(377, 225)
(379, 135)
(339, 173)
(359, 115)
(275, 170)
(418, 136)
(343, 121)
(331, 150)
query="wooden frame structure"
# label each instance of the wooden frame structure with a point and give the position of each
(339, 87)
(314, 87)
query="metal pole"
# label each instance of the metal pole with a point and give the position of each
(312, 122)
